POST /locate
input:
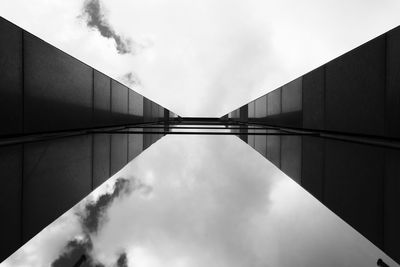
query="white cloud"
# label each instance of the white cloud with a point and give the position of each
(216, 55)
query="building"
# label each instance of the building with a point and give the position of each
(67, 127)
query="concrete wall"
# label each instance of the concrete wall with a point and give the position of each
(57, 89)
(355, 90)
(119, 103)
(42, 90)
(42, 180)
(357, 93)
(11, 83)
(57, 174)
(10, 199)
(101, 99)
(358, 182)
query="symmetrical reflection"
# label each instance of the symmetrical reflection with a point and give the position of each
(200, 201)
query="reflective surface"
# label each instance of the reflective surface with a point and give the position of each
(199, 201)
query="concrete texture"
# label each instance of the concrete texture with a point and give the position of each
(119, 152)
(136, 106)
(57, 89)
(135, 145)
(57, 174)
(292, 96)
(10, 78)
(314, 99)
(101, 99)
(10, 199)
(274, 148)
(291, 153)
(251, 110)
(260, 143)
(393, 84)
(119, 103)
(392, 204)
(355, 90)
(312, 166)
(146, 109)
(353, 186)
(261, 107)
(101, 158)
(274, 102)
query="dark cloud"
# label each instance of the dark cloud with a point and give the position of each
(95, 19)
(122, 260)
(95, 211)
(131, 79)
(77, 252)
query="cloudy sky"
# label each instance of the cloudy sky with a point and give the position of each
(192, 201)
(215, 54)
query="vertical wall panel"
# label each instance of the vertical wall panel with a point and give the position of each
(251, 110)
(10, 199)
(57, 174)
(274, 148)
(101, 158)
(393, 84)
(292, 104)
(119, 103)
(353, 186)
(135, 106)
(138, 105)
(292, 96)
(291, 156)
(147, 109)
(355, 90)
(10, 78)
(274, 102)
(135, 145)
(58, 88)
(147, 139)
(314, 99)
(101, 99)
(312, 165)
(160, 113)
(261, 107)
(260, 143)
(251, 138)
(119, 152)
(244, 113)
(154, 111)
(392, 204)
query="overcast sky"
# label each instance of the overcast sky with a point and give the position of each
(208, 57)
(195, 201)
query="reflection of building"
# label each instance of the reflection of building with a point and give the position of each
(66, 128)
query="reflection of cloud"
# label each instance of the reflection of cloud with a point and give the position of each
(91, 218)
(74, 253)
(95, 211)
(122, 260)
(200, 211)
(95, 19)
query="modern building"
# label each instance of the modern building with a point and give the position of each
(336, 132)
(67, 127)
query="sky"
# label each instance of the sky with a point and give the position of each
(214, 55)
(195, 201)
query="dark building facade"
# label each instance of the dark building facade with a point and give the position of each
(346, 115)
(50, 154)
(67, 127)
